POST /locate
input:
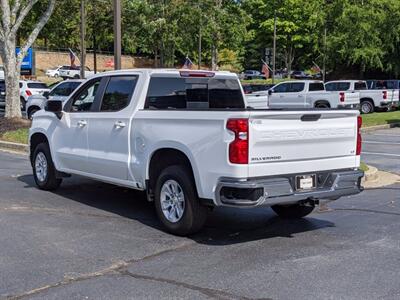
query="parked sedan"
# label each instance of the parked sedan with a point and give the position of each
(300, 75)
(252, 74)
(61, 91)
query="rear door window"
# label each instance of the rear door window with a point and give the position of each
(316, 86)
(193, 93)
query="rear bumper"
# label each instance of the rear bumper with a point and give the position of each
(388, 103)
(280, 190)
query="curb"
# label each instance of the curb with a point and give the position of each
(373, 128)
(14, 147)
(371, 174)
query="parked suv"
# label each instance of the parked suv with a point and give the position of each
(28, 88)
(186, 138)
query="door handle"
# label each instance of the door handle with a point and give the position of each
(82, 123)
(300, 96)
(119, 124)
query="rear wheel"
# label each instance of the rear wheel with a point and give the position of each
(293, 211)
(44, 171)
(322, 105)
(367, 107)
(176, 201)
(23, 103)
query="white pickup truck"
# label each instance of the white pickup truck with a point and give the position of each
(186, 138)
(73, 72)
(309, 94)
(370, 100)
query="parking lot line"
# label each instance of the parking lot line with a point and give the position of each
(384, 143)
(381, 134)
(382, 154)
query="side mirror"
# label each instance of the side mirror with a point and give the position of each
(54, 106)
(270, 92)
(46, 94)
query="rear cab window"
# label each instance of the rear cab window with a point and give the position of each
(194, 93)
(361, 85)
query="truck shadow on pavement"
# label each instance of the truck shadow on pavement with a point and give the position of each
(225, 226)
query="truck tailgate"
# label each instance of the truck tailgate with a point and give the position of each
(295, 142)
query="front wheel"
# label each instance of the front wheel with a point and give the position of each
(293, 211)
(31, 112)
(44, 172)
(176, 202)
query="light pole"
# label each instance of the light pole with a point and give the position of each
(274, 47)
(83, 34)
(117, 34)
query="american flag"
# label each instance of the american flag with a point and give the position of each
(72, 57)
(188, 63)
(265, 70)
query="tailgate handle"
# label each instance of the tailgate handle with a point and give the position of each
(310, 118)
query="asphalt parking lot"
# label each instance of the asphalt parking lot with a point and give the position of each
(92, 240)
(381, 149)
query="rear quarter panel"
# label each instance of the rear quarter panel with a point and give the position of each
(200, 135)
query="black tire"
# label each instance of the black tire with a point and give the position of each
(77, 77)
(366, 107)
(23, 103)
(322, 105)
(293, 211)
(32, 111)
(194, 214)
(50, 180)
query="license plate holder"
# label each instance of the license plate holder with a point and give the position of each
(306, 182)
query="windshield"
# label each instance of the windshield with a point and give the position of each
(64, 89)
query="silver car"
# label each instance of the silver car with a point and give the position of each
(61, 91)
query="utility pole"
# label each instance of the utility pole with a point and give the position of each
(324, 60)
(117, 35)
(274, 47)
(200, 24)
(83, 34)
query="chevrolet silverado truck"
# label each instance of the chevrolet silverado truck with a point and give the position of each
(309, 94)
(370, 100)
(187, 139)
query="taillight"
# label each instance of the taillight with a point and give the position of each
(384, 95)
(239, 147)
(342, 97)
(28, 92)
(359, 139)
